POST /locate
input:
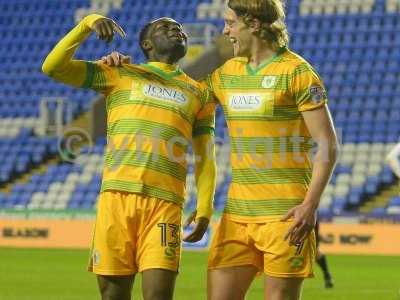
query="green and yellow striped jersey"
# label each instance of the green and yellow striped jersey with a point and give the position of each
(153, 111)
(270, 144)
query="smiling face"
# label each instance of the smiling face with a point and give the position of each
(238, 33)
(166, 38)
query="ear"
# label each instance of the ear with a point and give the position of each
(147, 45)
(255, 25)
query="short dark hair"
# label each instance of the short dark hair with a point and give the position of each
(143, 35)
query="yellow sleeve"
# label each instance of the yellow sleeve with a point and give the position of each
(204, 150)
(59, 63)
(307, 88)
(205, 118)
(205, 174)
(211, 83)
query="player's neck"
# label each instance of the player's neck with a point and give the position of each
(261, 51)
(166, 59)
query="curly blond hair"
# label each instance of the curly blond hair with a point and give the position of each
(271, 14)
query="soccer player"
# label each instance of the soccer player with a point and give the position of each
(153, 111)
(275, 105)
(322, 261)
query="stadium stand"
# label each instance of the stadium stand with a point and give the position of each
(354, 45)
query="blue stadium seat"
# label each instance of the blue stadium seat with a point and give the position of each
(378, 212)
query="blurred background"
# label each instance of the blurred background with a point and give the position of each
(52, 136)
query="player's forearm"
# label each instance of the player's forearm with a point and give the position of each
(59, 63)
(324, 163)
(206, 182)
(206, 174)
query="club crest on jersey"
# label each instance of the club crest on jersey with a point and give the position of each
(164, 93)
(245, 102)
(317, 94)
(268, 82)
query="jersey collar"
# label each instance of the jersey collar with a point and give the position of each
(164, 70)
(266, 62)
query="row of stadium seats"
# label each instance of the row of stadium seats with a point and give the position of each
(348, 24)
(311, 7)
(315, 24)
(392, 6)
(11, 127)
(29, 31)
(21, 153)
(350, 42)
(62, 186)
(318, 7)
(361, 172)
(393, 206)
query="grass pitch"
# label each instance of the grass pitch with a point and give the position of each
(31, 274)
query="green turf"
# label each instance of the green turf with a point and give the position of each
(27, 274)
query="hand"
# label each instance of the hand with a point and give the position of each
(304, 216)
(199, 229)
(116, 59)
(105, 29)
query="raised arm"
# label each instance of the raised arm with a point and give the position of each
(59, 63)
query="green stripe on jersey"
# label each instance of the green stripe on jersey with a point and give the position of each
(302, 68)
(152, 161)
(95, 78)
(271, 176)
(89, 75)
(149, 129)
(134, 187)
(280, 113)
(256, 208)
(253, 82)
(282, 144)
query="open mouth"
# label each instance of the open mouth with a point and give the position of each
(233, 40)
(178, 36)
